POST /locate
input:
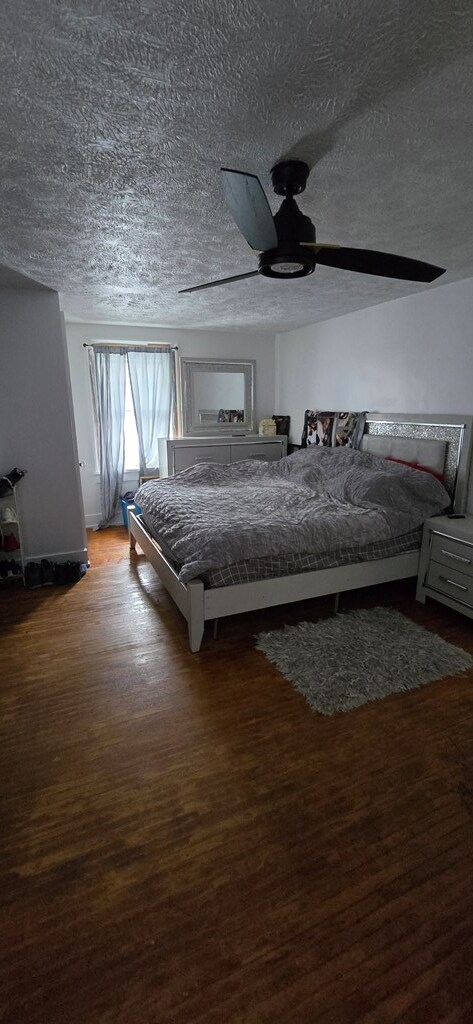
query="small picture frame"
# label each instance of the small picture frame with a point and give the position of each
(282, 424)
(144, 477)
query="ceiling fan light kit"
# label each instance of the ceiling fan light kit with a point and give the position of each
(286, 263)
(287, 244)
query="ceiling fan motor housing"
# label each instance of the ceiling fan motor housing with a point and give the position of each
(289, 259)
(289, 177)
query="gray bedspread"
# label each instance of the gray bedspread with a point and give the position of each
(315, 500)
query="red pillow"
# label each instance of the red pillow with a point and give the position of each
(415, 465)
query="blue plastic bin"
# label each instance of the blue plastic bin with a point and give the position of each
(126, 504)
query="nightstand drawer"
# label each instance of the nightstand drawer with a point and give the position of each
(452, 553)
(449, 581)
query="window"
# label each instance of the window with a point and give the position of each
(114, 368)
(132, 454)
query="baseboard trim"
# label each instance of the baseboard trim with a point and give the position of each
(93, 520)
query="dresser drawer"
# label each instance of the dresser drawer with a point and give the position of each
(268, 451)
(194, 454)
(452, 553)
(450, 581)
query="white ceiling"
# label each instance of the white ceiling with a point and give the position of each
(116, 115)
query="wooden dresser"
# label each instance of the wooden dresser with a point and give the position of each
(179, 453)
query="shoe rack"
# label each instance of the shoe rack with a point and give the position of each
(12, 565)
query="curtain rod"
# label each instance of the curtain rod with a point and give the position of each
(129, 344)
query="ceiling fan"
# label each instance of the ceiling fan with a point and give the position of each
(286, 243)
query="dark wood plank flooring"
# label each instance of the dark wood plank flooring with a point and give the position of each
(183, 840)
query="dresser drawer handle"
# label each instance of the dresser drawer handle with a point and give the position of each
(458, 558)
(452, 583)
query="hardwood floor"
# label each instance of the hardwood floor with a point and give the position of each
(184, 840)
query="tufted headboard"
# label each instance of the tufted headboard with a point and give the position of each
(443, 443)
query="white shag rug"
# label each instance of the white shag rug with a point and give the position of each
(350, 659)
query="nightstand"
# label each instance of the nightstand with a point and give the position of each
(446, 563)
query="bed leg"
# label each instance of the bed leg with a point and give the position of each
(215, 629)
(195, 614)
(336, 604)
(132, 540)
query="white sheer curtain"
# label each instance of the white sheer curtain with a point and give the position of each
(152, 382)
(107, 373)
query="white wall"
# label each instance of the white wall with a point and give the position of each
(193, 344)
(409, 355)
(36, 425)
(412, 355)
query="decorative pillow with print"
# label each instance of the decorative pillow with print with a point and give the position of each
(318, 428)
(332, 429)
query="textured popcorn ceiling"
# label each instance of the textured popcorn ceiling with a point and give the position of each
(117, 114)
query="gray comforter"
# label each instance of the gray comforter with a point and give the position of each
(315, 500)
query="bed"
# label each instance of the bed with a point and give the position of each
(331, 529)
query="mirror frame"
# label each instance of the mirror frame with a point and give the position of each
(188, 367)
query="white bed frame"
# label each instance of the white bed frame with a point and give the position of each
(199, 604)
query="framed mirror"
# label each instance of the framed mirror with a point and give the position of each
(217, 396)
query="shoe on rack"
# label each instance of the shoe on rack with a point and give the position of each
(47, 572)
(60, 574)
(8, 515)
(3, 568)
(33, 574)
(15, 475)
(8, 481)
(10, 542)
(14, 568)
(73, 573)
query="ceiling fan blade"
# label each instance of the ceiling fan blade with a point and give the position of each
(246, 200)
(319, 245)
(223, 280)
(382, 264)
